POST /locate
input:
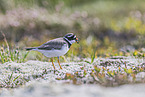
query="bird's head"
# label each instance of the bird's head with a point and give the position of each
(71, 38)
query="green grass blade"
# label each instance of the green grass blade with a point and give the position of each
(93, 57)
(9, 82)
(12, 56)
(16, 78)
(11, 76)
(2, 59)
(25, 56)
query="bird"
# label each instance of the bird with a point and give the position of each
(56, 47)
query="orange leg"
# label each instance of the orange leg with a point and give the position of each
(53, 63)
(59, 63)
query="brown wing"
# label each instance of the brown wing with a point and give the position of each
(53, 44)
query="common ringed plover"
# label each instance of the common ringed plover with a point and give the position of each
(56, 47)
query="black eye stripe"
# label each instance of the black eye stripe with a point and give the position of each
(70, 35)
(70, 38)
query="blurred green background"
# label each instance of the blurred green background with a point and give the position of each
(104, 27)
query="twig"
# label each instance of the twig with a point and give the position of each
(5, 39)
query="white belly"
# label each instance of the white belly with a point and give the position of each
(54, 53)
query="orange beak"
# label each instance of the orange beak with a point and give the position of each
(77, 40)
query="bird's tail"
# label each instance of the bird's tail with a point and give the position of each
(30, 48)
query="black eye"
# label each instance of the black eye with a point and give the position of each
(72, 36)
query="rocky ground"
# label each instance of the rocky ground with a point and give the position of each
(105, 77)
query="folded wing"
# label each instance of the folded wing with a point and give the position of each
(53, 44)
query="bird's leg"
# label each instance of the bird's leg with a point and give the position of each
(53, 63)
(59, 63)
